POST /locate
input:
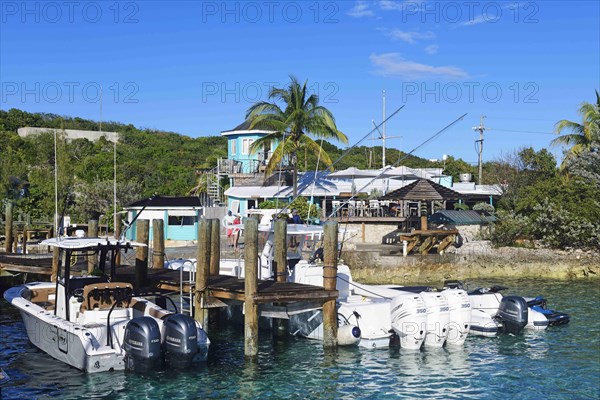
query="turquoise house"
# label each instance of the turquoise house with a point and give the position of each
(180, 216)
(239, 157)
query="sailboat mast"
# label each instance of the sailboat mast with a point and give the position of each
(383, 133)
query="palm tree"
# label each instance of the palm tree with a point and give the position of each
(291, 126)
(583, 136)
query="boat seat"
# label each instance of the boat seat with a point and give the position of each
(104, 295)
(148, 309)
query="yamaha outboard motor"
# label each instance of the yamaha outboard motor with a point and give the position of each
(513, 312)
(142, 344)
(181, 340)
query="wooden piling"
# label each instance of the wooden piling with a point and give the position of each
(202, 272)
(92, 233)
(330, 323)
(55, 260)
(250, 288)
(158, 244)
(215, 246)
(280, 269)
(8, 227)
(141, 253)
(24, 244)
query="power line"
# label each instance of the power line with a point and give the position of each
(518, 131)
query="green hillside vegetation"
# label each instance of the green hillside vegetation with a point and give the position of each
(149, 161)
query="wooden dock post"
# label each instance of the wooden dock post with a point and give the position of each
(280, 269)
(141, 253)
(330, 323)
(55, 261)
(8, 227)
(158, 244)
(202, 272)
(24, 244)
(250, 288)
(92, 233)
(215, 246)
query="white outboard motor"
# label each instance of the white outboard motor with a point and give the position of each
(142, 344)
(181, 340)
(459, 314)
(348, 335)
(409, 318)
(436, 329)
(513, 312)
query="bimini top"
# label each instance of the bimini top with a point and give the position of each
(85, 243)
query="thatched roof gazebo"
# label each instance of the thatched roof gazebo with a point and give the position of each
(422, 190)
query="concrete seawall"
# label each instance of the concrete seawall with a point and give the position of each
(378, 264)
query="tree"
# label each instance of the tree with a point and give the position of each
(301, 116)
(583, 136)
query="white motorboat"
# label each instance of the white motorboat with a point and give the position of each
(95, 323)
(493, 313)
(385, 315)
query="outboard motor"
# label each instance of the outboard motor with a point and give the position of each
(142, 344)
(409, 319)
(438, 318)
(181, 340)
(348, 335)
(513, 312)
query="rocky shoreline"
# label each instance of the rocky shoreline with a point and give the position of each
(378, 264)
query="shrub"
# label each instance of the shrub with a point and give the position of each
(484, 207)
(461, 206)
(509, 228)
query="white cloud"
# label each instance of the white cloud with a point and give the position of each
(432, 49)
(410, 37)
(390, 5)
(360, 9)
(393, 65)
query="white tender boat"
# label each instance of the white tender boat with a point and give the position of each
(95, 323)
(493, 313)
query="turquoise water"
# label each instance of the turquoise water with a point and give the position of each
(559, 363)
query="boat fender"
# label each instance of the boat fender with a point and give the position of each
(348, 335)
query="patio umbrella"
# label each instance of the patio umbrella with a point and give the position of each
(352, 173)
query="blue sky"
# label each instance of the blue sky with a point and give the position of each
(195, 68)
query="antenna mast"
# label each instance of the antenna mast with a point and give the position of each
(479, 146)
(383, 134)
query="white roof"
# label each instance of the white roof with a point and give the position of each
(84, 243)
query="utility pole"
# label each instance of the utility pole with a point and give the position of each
(479, 146)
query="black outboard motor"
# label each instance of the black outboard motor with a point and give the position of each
(513, 313)
(181, 340)
(142, 344)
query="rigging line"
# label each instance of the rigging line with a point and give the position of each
(400, 159)
(316, 170)
(362, 288)
(322, 174)
(516, 131)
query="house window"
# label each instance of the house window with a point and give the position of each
(176, 220)
(246, 143)
(234, 146)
